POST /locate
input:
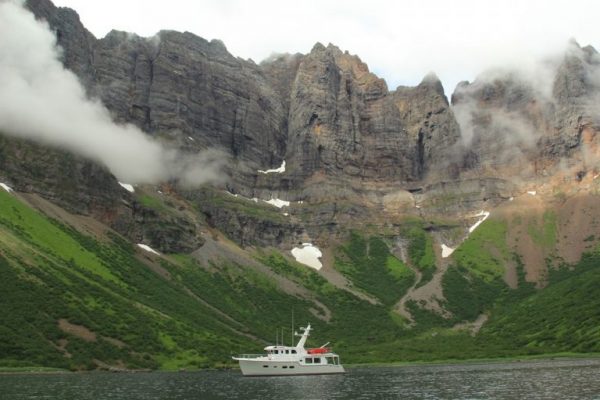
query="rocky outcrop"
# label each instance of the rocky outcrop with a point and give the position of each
(76, 184)
(83, 187)
(246, 221)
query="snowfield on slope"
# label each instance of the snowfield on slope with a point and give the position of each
(483, 215)
(308, 255)
(148, 249)
(127, 187)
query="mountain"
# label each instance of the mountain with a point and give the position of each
(448, 230)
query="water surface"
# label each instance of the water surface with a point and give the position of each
(564, 379)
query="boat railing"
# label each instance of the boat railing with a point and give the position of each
(249, 355)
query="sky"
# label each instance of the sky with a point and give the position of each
(400, 40)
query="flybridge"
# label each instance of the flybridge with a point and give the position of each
(291, 360)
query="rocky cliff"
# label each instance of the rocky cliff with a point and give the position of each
(342, 148)
(323, 112)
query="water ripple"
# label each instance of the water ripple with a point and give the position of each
(565, 380)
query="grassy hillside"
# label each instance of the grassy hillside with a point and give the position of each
(79, 301)
(563, 317)
(371, 267)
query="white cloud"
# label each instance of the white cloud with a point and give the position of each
(400, 40)
(40, 100)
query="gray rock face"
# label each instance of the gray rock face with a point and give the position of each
(344, 123)
(430, 124)
(180, 86)
(76, 41)
(280, 72)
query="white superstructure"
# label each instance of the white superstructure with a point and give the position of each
(288, 360)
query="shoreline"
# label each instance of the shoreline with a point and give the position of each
(449, 362)
(475, 361)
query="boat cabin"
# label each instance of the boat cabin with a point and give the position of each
(280, 350)
(329, 359)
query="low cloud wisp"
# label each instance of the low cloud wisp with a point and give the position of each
(515, 115)
(42, 101)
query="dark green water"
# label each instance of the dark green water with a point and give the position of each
(572, 379)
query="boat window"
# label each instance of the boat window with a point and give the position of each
(293, 351)
(308, 360)
(317, 360)
(276, 351)
(265, 366)
(287, 352)
(329, 360)
(291, 366)
(285, 366)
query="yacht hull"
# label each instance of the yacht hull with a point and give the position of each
(279, 368)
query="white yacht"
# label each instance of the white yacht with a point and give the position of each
(288, 360)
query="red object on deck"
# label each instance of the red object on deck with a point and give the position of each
(318, 350)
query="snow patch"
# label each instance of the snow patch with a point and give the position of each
(191, 138)
(532, 192)
(148, 249)
(6, 187)
(127, 187)
(278, 203)
(286, 214)
(274, 202)
(446, 251)
(483, 216)
(308, 255)
(279, 170)
(254, 199)
(595, 176)
(511, 199)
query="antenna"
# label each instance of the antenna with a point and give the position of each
(292, 332)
